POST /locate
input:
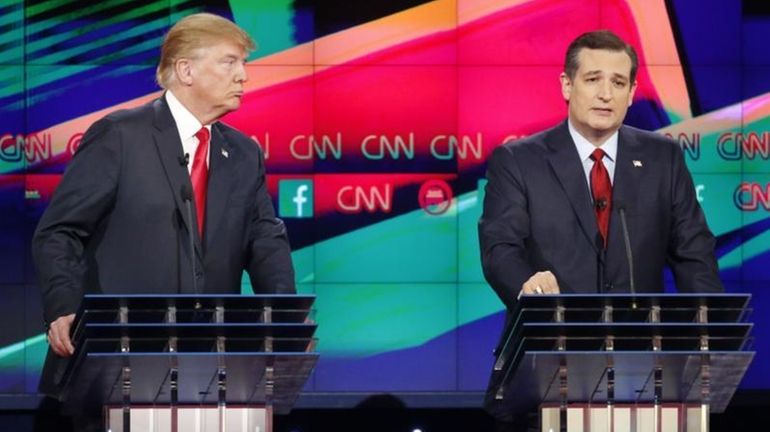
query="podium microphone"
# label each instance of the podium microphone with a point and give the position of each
(629, 253)
(187, 197)
(600, 257)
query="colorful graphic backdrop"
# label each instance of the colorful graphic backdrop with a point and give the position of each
(376, 119)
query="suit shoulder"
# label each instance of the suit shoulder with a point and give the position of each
(648, 137)
(238, 139)
(654, 146)
(535, 143)
(141, 114)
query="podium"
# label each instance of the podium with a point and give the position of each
(190, 362)
(621, 362)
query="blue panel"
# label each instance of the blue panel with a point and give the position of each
(476, 342)
(758, 375)
(756, 50)
(12, 351)
(62, 100)
(709, 31)
(716, 86)
(756, 81)
(12, 230)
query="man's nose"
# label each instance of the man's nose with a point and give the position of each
(605, 91)
(242, 75)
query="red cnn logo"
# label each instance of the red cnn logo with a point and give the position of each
(749, 196)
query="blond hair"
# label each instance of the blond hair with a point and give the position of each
(192, 33)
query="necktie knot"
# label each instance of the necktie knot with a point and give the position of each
(202, 135)
(597, 155)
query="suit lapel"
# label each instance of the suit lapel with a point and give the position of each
(629, 168)
(170, 149)
(566, 166)
(220, 181)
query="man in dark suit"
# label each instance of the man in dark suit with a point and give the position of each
(555, 201)
(118, 222)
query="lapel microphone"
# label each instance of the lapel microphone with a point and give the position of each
(184, 161)
(601, 203)
(187, 197)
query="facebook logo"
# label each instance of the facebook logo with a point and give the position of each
(295, 198)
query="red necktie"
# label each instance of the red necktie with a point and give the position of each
(200, 177)
(601, 190)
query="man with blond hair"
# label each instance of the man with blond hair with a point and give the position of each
(119, 221)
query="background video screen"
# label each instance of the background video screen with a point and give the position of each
(376, 119)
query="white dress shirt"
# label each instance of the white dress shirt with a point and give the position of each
(187, 126)
(585, 148)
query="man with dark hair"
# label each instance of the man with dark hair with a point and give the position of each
(550, 222)
(118, 222)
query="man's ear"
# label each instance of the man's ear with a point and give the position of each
(631, 96)
(183, 71)
(566, 86)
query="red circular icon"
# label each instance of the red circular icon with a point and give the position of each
(435, 197)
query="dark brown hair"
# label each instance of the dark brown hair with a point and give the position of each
(601, 40)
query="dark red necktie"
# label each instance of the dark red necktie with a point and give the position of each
(200, 177)
(601, 189)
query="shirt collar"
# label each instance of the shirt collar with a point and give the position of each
(186, 123)
(585, 148)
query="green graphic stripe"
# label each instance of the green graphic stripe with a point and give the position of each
(269, 22)
(362, 319)
(12, 39)
(45, 7)
(422, 247)
(63, 55)
(368, 319)
(14, 350)
(45, 43)
(11, 80)
(13, 36)
(13, 16)
(70, 15)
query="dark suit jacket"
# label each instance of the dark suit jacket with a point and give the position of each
(118, 224)
(538, 215)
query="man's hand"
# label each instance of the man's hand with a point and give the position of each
(59, 335)
(540, 283)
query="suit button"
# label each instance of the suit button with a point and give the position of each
(199, 275)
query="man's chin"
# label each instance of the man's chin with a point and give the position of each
(604, 127)
(230, 107)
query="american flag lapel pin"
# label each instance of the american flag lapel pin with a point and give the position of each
(637, 163)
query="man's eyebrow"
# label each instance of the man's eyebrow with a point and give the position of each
(621, 76)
